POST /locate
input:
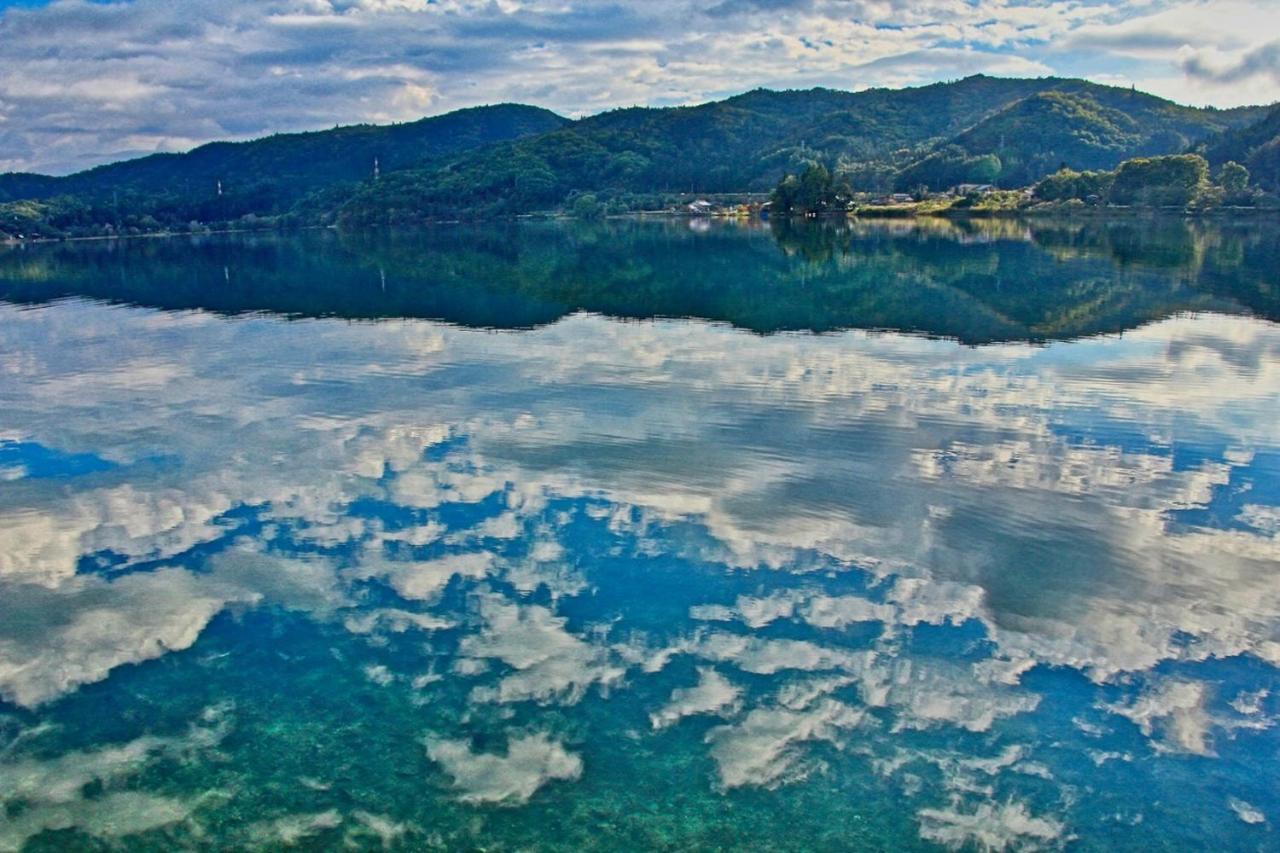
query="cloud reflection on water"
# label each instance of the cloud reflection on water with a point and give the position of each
(853, 485)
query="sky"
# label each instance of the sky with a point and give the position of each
(83, 83)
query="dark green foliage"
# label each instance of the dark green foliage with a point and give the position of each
(1234, 181)
(948, 167)
(1233, 178)
(1067, 184)
(1264, 165)
(587, 206)
(1238, 142)
(1256, 146)
(814, 190)
(1172, 181)
(1160, 181)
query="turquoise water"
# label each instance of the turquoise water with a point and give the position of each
(643, 536)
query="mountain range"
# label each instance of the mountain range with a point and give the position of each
(510, 159)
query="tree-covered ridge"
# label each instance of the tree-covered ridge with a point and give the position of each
(297, 162)
(268, 176)
(1038, 133)
(1085, 128)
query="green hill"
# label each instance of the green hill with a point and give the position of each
(1081, 126)
(268, 176)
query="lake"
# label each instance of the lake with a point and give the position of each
(643, 535)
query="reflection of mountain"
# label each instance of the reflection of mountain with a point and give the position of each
(978, 283)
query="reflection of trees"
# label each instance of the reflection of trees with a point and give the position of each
(978, 281)
(1169, 244)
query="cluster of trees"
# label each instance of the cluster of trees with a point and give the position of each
(1160, 181)
(1178, 181)
(813, 191)
(1171, 181)
(1067, 184)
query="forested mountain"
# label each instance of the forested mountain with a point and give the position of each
(748, 142)
(268, 176)
(503, 160)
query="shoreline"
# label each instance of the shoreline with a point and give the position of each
(871, 213)
(152, 235)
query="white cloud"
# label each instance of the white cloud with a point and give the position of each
(49, 794)
(531, 761)
(549, 662)
(393, 619)
(973, 438)
(89, 82)
(291, 829)
(52, 641)
(1173, 713)
(760, 750)
(943, 533)
(119, 813)
(1245, 811)
(990, 826)
(712, 694)
(424, 580)
(768, 656)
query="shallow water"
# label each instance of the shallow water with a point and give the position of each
(299, 546)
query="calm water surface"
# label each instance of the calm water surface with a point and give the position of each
(643, 536)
